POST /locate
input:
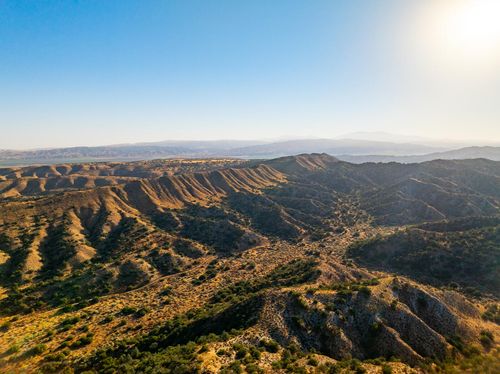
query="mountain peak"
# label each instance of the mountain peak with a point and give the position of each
(303, 162)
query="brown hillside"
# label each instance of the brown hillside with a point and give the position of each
(299, 264)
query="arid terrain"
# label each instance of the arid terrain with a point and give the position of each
(300, 264)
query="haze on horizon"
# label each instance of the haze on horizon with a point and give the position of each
(95, 73)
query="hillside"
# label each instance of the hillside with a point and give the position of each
(457, 253)
(298, 264)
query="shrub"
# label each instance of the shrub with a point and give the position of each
(241, 351)
(128, 310)
(375, 328)
(5, 326)
(270, 346)
(107, 319)
(492, 313)
(166, 291)
(81, 342)
(70, 321)
(364, 290)
(222, 352)
(312, 361)
(487, 339)
(38, 349)
(394, 304)
(14, 348)
(255, 353)
(253, 369)
(386, 369)
(142, 312)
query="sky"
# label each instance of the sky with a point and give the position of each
(93, 72)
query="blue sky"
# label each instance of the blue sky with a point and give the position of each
(102, 72)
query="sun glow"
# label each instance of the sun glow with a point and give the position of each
(462, 33)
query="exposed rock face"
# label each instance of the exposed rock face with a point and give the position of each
(393, 318)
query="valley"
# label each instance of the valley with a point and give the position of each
(304, 264)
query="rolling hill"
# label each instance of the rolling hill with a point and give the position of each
(297, 264)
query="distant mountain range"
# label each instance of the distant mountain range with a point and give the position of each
(490, 153)
(352, 150)
(332, 147)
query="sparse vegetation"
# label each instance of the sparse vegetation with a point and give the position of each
(466, 258)
(492, 313)
(256, 263)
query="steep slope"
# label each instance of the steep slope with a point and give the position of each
(42, 180)
(369, 319)
(460, 253)
(402, 194)
(303, 163)
(297, 264)
(59, 233)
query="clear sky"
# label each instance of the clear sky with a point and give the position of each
(89, 72)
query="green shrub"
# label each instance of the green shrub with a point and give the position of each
(107, 319)
(241, 351)
(270, 346)
(128, 310)
(364, 290)
(394, 304)
(487, 339)
(38, 349)
(81, 342)
(5, 326)
(492, 313)
(386, 369)
(255, 353)
(312, 361)
(167, 291)
(14, 348)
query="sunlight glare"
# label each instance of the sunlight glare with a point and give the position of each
(463, 34)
